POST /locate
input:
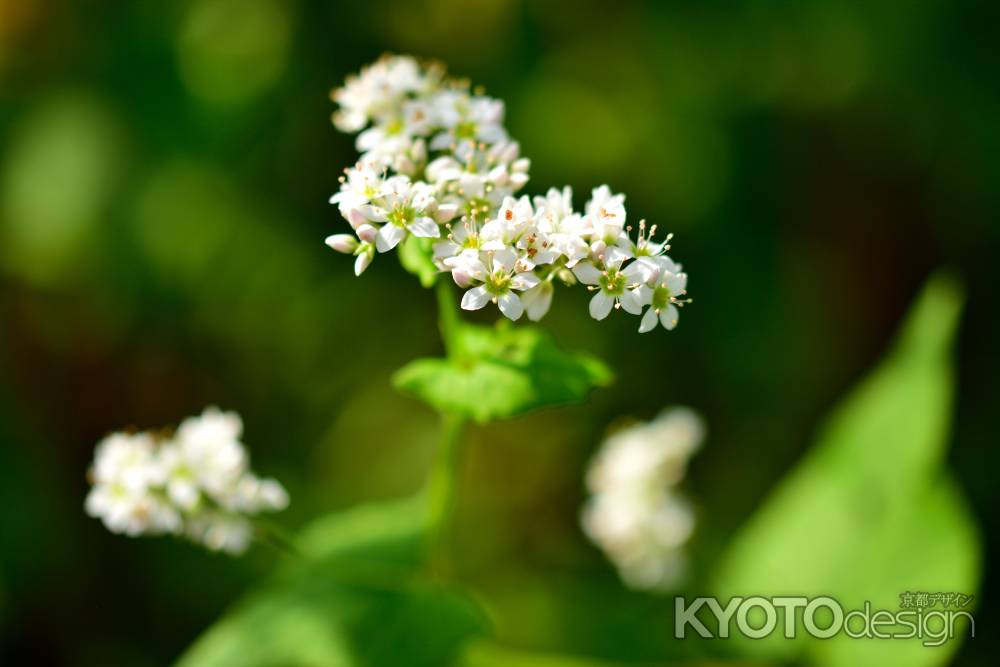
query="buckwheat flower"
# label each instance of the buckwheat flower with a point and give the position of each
(395, 134)
(467, 119)
(409, 208)
(501, 278)
(511, 222)
(360, 185)
(408, 158)
(125, 476)
(207, 451)
(663, 296)
(465, 265)
(537, 300)
(478, 177)
(380, 87)
(563, 227)
(635, 513)
(613, 286)
(434, 152)
(196, 482)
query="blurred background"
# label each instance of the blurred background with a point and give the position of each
(164, 176)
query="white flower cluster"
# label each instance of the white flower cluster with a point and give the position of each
(196, 483)
(634, 513)
(438, 164)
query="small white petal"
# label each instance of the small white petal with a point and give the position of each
(445, 212)
(524, 281)
(367, 233)
(475, 298)
(373, 213)
(648, 321)
(389, 237)
(425, 228)
(537, 300)
(630, 302)
(668, 317)
(587, 273)
(601, 305)
(510, 305)
(676, 283)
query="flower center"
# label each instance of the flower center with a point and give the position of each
(465, 130)
(498, 283)
(613, 282)
(661, 298)
(401, 216)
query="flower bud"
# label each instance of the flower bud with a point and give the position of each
(367, 233)
(365, 255)
(345, 243)
(461, 277)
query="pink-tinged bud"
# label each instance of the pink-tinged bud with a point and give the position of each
(345, 243)
(356, 218)
(367, 233)
(509, 152)
(446, 212)
(461, 277)
(363, 261)
(598, 248)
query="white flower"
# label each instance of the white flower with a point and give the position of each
(467, 119)
(536, 301)
(408, 207)
(663, 296)
(613, 286)
(605, 215)
(433, 151)
(635, 513)
(207, 450)
(500, 278)
(511, 222)
(124, 476)
(378, 89)
(359, 186)
(563, 227)
(196, 483)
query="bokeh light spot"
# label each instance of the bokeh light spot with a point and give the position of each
(230, 51)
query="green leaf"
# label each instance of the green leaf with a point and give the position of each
(869, 513)
(415, 254)
(499, 372)
(357, 601)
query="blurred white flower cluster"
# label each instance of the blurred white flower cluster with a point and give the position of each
(437, 163)
(635, 514)
(195, 483)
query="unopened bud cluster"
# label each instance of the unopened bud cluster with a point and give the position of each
(437, 163)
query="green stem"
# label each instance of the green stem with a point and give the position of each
(441, 492)
(273, 535)
(442, 482)
(448, 320)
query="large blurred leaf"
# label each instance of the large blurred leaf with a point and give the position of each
(869, 513)
(357, 601)
(498, 372)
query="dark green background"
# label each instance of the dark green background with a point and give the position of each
(164, 173)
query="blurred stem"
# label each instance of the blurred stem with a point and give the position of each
(442, 482)
(448, 321)
(275, 536)
(441, 493)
